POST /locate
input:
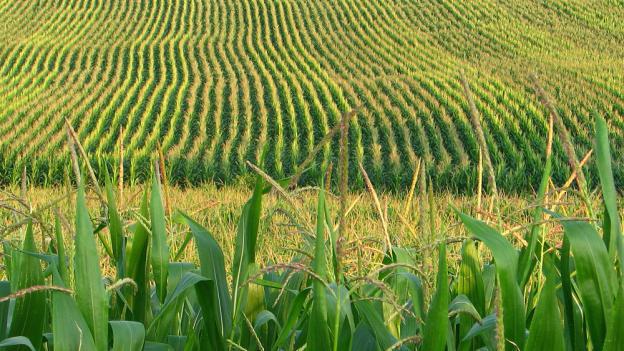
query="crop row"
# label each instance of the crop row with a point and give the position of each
(218, 83)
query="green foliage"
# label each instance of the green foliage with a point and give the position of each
(218, 83)
(485, 301)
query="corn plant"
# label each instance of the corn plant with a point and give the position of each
(542, 296)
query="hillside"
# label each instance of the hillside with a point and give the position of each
(219, 82)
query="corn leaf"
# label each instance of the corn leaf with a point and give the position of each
(609, 193)
(318, 331)
(364, 338)
(159, 250)
(339, 315)
(137, 267)
(615, 330)
(20, 341)
(213, 267)
(29, 313)
(168, 318)
(470, 283)
(595, 276)
(5, 289)
(575, 336)
(60, 250)
(294, 314)
(188, 281)
(127, 335)
(483, 328)
(434, 337)
(115, 228)
(245, 248)
(374, 320)
(546, 332)
(506, 258)
(157, 346)
(91, 296)
(215, 333)
(69, 327)
(462, 306)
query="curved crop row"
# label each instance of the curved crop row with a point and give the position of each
(217, 83)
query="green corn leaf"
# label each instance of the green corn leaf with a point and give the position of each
(60, 250)
(318, 331)
(188, 281)
(245, 248)
(405, 289)
(5, 290)
(506, 258)
(546, 332)
(374, 320)
(470, 283)
(339, 315)
(410, 285)
(179, 343)
(127, 335)
(9, 261)
(609, 193)
(157, 346)
(69, 327)
(485, 329)
(595, 276)
(20, 341)
(294, 313)
(266, 326)
(364, 339)
(168, 318)
(437, 317)
(461, 305)
(91, 296)
(214, 336)
(29, 313)
(137, 267)
(213, 267)
(615, 330)
(115, 228)
(264, 318)
(575, 336)
(160, 249)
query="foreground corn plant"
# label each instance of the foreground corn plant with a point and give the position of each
(541, 297)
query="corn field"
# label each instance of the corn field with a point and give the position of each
(217, 83)
(560, 290)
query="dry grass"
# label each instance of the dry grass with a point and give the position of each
(281, 232)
